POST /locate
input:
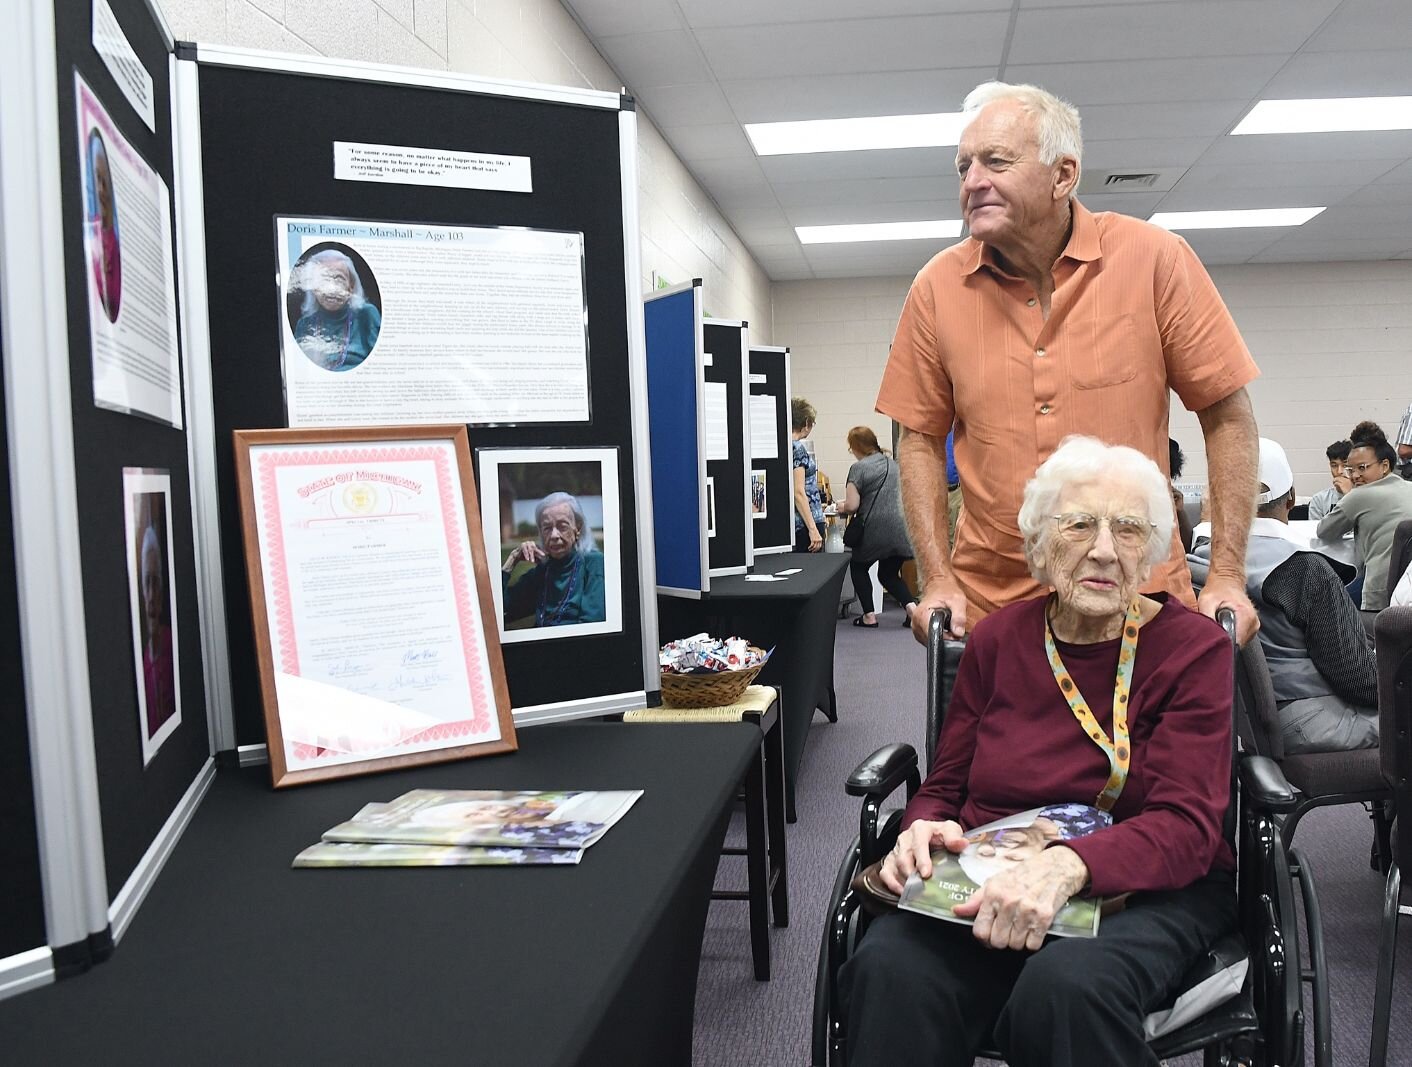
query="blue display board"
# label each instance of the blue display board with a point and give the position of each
(674, 380)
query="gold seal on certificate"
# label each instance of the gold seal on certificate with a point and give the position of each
(373, 608)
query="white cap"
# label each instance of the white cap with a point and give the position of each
(1274, 472)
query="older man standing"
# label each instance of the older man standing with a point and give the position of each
(1050, 320)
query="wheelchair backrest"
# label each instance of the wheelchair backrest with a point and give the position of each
(1393, 637)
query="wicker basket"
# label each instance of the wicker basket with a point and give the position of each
(706, 690)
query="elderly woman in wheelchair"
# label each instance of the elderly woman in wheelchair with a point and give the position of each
(1095, 694)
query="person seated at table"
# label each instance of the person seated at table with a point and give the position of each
(337, 326)
(1322, 667)
(1373, 504)
(1322, 502)
(564, 583)
(1094, 694)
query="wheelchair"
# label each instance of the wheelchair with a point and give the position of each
(1262, 1026)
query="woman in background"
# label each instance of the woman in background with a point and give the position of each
(808, 505)
(1372, 505)
(874, 498)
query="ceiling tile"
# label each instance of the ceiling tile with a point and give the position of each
(725, 140)
(701, 104)
(798, 194)
(646, 60)
(1190, 28)
(1138, 205)
(1214, 197)
(706, 13)
(1142, 81)
(1365, 24)
(859, 45)
(1313, 75)
(1144, 153)
(1115, 122)
(871, 211)
(837, 166)
(608, 18)
(1313, 174)
(856, 95)
(1302, 148)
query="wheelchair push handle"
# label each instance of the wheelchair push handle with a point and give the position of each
(1227, 618)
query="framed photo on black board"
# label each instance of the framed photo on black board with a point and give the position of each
(371, 600)
(552, 522)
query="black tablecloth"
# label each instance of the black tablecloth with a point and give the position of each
(796, 617)
(236, 958)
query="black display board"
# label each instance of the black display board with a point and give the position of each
(267, 150)
(729, 550)
(21, 889)
(774, 531)
(135, 800)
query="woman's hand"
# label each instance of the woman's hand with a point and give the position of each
(913, 851)
(1343, 483)
(816, 541)
(1015, 908)
(528, 552)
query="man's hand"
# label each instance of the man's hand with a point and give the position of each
(1221, 592)
(913, 851)
(940, 593)
(1014, 909)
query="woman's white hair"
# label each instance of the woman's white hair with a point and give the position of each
(1057, 125)
(1087, 460)
(307, 279)
(586, 541)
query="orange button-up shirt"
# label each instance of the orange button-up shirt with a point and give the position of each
(1133, 314)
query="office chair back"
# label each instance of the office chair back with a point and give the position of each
(1401, 553)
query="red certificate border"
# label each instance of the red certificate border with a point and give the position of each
(466, 556)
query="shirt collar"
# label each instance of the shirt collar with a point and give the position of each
(1084, 245)
(1261, 526)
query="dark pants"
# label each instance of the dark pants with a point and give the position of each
(923, 991)
(889, 573)
(801, 539)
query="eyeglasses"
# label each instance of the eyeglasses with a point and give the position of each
(1081, 528)
(1362, 468)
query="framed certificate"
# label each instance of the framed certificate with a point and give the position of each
(374, 619)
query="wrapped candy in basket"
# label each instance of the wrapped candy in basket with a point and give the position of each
(706, 672)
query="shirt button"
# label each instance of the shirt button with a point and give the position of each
(1031, 302)
(1044, 409)
(1039, 352)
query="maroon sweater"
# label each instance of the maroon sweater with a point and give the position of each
(1032, 751)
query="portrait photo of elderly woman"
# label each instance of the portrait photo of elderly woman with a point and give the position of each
(101, 221)
(153, 606)
(554, 514)
(333, 305)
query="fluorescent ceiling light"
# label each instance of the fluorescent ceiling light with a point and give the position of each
(878, 231)
(1328, 116)
(855, 135)
(1229, 220)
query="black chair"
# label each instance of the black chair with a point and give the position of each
(1299, 513)
(1394, 641)
(1262, 1025)
(1401, 553)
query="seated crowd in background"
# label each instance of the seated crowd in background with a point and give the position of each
(1373, 501)
(1321, 664)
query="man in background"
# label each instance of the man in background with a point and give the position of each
(1322, 502)
(1321, 664)
(1049, 321)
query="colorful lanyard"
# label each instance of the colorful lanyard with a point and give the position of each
(1119, 750)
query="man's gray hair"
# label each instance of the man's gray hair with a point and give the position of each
(1086, 460)
(1057, 125)
(586, 543)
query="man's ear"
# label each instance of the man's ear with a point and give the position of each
(1066, 177)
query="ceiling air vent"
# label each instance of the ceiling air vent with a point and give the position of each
(1130, 181)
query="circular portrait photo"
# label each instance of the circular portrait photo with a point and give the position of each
(101, 220)
(334, 307)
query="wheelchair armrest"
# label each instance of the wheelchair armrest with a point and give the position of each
(883, 771)
(1265, 785)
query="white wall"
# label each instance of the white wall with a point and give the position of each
(683, 235)
(1333, 341)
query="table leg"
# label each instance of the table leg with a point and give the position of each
(774, 810)
(757, 864)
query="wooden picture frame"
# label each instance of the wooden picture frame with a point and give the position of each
(375, 625)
